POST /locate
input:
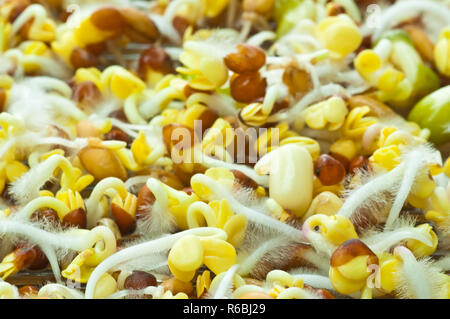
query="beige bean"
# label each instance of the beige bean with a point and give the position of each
(102, 163)
(105, 287)
(291, 178)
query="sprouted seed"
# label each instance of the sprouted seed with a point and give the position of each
(191, 149)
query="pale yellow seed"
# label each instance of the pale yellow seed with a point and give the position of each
(291, 178)
(105, 287)
(187, 253)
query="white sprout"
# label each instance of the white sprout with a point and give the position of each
(249, 262)
(28, 185)
(398, 181)
(222, 104)
(151, 247)
(417, 279)
(371, 189)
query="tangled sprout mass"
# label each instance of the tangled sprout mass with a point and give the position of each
(226, 149)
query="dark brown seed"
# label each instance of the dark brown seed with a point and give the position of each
(359, 163)
(247, 87)
(344, 161)
(118, 135)
(156, 59)
(24, 256)
(329, 170)
(140, 280)
(64, 15)
(80, 58)
(135, 36)
(279, 105)
(207, 119)
(96, 48)
(144, 201)
(248, 58)
(180, 24)
(51, 185)
(75, 218)
(40, 261)
(351, 249)
(185, 177)
(86, 91)
(126, 222)
(29, 256)
(297, 80)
